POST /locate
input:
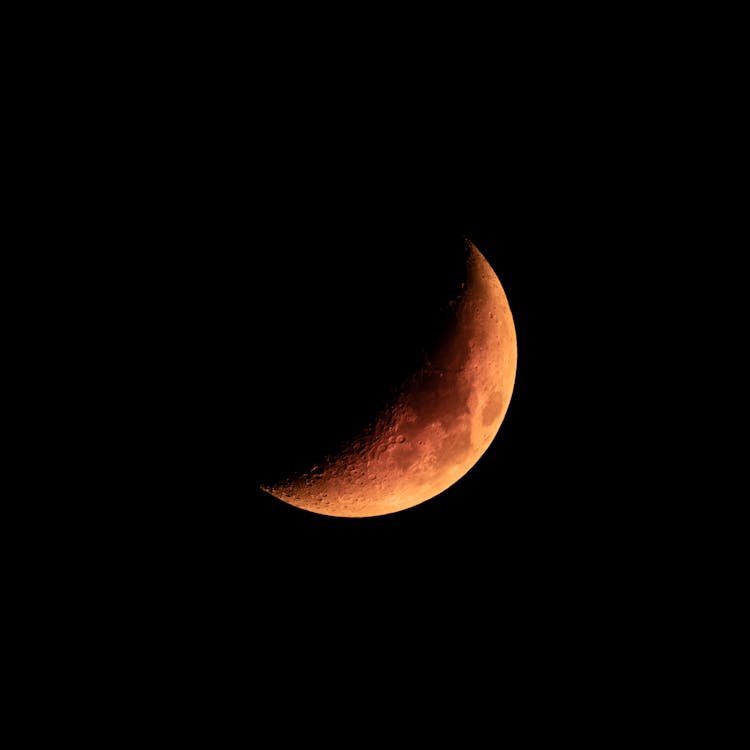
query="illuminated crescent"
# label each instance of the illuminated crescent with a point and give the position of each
(438, 425)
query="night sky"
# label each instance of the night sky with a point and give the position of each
(274, 229)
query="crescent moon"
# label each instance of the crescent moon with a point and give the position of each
(439, 424)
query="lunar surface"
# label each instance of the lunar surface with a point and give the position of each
(439, 424)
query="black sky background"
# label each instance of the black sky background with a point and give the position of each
(283, 247)
(258, 225)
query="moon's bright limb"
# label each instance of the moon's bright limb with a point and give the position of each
(438, 426)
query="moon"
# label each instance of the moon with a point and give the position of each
(436, 426)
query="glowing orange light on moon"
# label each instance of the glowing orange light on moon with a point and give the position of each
(442, 421)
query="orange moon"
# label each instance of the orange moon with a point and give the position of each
(439, 424)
